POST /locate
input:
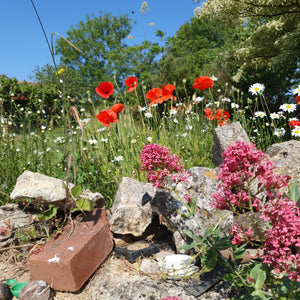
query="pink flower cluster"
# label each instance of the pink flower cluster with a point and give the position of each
(245, 166)
(172, 298)
(240, 235)
(282, 244)
(163, 168)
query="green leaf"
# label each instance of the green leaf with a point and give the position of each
(188, 246)
(48, 214)
(209, 259)
(294, 191)
(223, 243)
(259, 276)
(239, 253)
(84, 204)
(76, 190)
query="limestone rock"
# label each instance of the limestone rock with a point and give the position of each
(202, 184)
(128, 215)
(11, 218)
(225, 136)
(47, 189)
(286, 157)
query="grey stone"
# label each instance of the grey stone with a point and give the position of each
(47, 189)
(36, 290)
(11, 218)
(128, 215)
(200, 187)
(225, 136)
(286, 157)
(5, 293)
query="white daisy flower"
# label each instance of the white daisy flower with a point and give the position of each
(173, 112)
(288, 107)
(92, 142)
(256, 88)
(274, 116)
(198, 99)
(214, 78)
(189, 127)
(149, 139)
(296, 131)
(148, 115)
(184, 134)
(297, 90)
(142, 108)
(133, 141)
(279, 132)
(104, 140)
(175, 121)
(118, 158)
(260, 114)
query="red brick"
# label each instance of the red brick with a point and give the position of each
(66, 262)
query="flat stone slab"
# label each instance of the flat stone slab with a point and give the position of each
(67, 262)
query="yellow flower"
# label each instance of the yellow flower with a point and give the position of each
(60, 71)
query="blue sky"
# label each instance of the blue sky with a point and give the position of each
(23, 46)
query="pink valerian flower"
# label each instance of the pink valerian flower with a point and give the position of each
(163, 168)
(245, 166)
(187, 198)
(240, 235)
(282, 244)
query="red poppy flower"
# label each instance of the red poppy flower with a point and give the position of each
(132, 83)
(154, 95)
(107, 116)
(294, 123)
(222, 116)
(117, 108)
(298, 99)
(203, 83)
(209, 113)
(105, 89)
(167, 91)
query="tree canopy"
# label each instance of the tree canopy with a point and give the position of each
(273, 46)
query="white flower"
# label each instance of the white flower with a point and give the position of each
(43, 127)
(297, 90)
(148, 115)
(189, 127)
(213, 78)
(29, 112)
(22, 108)
(184, 134)
(133, 141)
(173, 111)
(279, 131)
(233, 105)
(101, 129)
(225, 99)
(149, 139)
(38, 111)
(17, 150)
(154, 104)
(175, 121)
(293, 119)
(92, 142)
(256, 88)
(142, 108)
(118, 158)
(274, 116)
(48, 149)
(296, 131)
(104, 140)
(82, 109)
(288, 107)
(198, 99)
(260, 114)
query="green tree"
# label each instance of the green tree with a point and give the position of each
(270, 54)
(191, 52)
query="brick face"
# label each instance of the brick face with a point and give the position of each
(67, 262)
